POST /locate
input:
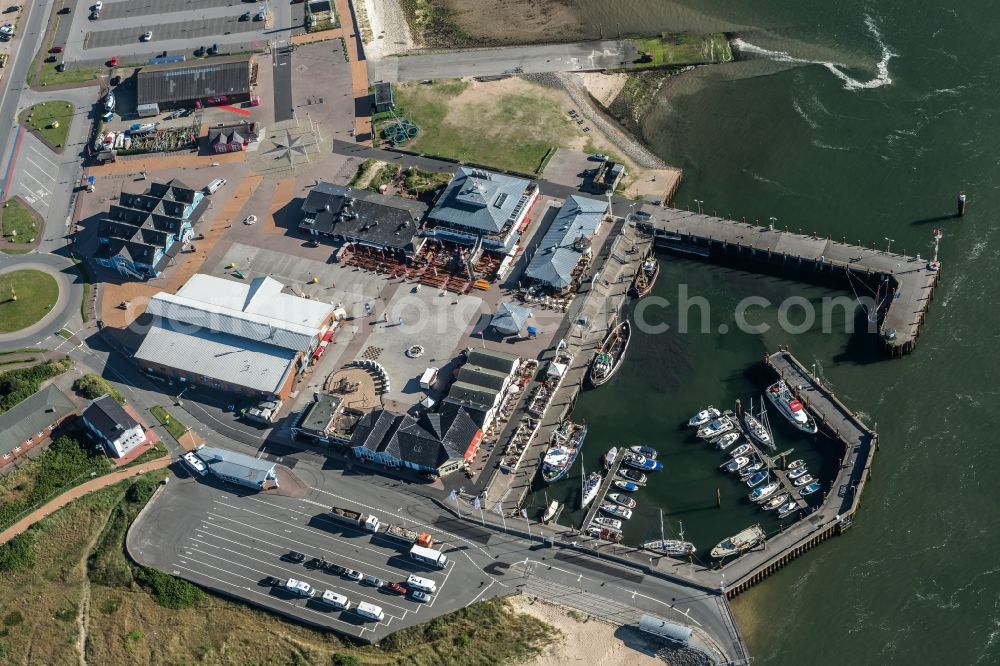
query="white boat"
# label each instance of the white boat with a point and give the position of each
(763, 492)
(787, 509)
(756, 479)
(627, 486)
(750, 469)
(634, 476)
(637, 461)
(756, 428)
(591, 485)
(797, 472)
(791, 407)
(703, 417)
(797, 463)
(802, 480)
(775, 502)
(810, 489)
(609, 457)
(550, 511)
(715, 427)
(740, 450)
(604, 521)
(624, 500)
(647, 451)
(616, 511)
(670, 547)
(735, 464)
(737, 543)
(726, 440)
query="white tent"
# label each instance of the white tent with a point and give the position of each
(556, 369)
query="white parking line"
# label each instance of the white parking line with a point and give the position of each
(47, 172)
(39, 154)
(41, 185)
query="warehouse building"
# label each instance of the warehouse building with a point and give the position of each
(567, 241)
(318, 420)
(222, 80)
(239, 468)
(248, 339)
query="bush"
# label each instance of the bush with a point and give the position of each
(12, 619)
(340, 659)
(16, 385)
(168, 591)
(17, 554)
(93, 386)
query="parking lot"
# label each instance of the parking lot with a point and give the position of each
(201, 27)
(129, 8)
(230, 542)
(36, 175)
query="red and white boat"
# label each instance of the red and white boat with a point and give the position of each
(790, 407)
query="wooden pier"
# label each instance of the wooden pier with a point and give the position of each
(604, 490)
(902, 285)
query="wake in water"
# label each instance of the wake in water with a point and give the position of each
(882, 77)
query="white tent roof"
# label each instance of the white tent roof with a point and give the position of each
(556, 369)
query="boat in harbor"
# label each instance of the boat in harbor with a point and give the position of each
(647, 451)
(715, 427)
(567, 441)
(796, 463)
(749, 470)
(642, 462)
(627, 486)
(735, 464)
(633, 475)
(803, 480)
(550, 511)
(787, 510)
(740, 450)
(756, 426)
(616, 511)
(790, 407)
(610, 354)
(609, 457)
(591, 485)
(775, 502)
(624, 500)
(704, 416)
(763, 492)
(756, 479)
(604, 521)
(744, 540)
(646, 277)
(797, 472)
(810, 489)
(670, 547)
(726, 440)
(606, 533)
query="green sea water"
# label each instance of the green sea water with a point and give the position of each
(863, 121)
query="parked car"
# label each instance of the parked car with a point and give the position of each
(398, 588)
(374, 581)
(334, 569)
(115, 80)
(65, 10)
(422, 597)
(11, 9)
(61, 67)
(199, 52)
(146, 36)
(94, 15)
(260, 16)
(245, 16)
(295, 556)
(250, 219)
(98, 6)
(271, 581)
(351, 574)
(213, 49)
(315, 563)
(599, 157)
(50, 58)
(56, 49)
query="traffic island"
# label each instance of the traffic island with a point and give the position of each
(49, 121)
(26, 296)
(20, 226)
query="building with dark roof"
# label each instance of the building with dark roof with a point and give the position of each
(113, 427)
(480, 206)
(383, 97)
(318, 419)
(141, 233)
(509, 318)
(219, 80)
(367, 218)
(31, 421)
(567, 241)
(239, 468)
(436, 443)
(232, 138)
(609, 175)
(482, 383)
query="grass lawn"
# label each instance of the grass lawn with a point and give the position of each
(42, 117)
(509, 125)
(686, 49)
(48, 76)
(173, 426)
(36, 293)
(17, 217)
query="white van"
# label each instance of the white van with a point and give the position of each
(370, 611)
(195, 463)
(335, 600)
(420, 583)
(299, 587)
(215, 185)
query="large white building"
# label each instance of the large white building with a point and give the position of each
(251, 339)
(113, 427)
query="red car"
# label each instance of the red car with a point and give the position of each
(397, 588)
(113, 62)
(56, 49)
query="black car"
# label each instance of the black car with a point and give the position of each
(245, 16)
(64, 10)
(271, 581)
(115, 80)
(213, 49)
(199, 52)
(315, 563)
(334, 569)
(296, 557)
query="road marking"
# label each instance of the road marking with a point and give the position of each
(480, 594)
(39, 154)
(38, 166)
(28, 174)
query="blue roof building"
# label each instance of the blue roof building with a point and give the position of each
(566, 242)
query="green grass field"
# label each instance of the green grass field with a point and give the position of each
(680, 49)
(19, 223)
(173, 426)
(36, 293)
(43, 117)
(512, 130)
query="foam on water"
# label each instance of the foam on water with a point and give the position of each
(881, 78)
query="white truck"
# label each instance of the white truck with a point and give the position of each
(299, 587)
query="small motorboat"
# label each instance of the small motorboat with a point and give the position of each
(756, 479)
(616, 511)
(627, 486)
(642, 462)
(775, 502)
(749, 470)
(550, 511)
(613, 523)
(726, 440)
(740, 450)
(736, 544)
(810, 489)
(797, 472)
(703, 417)
(787, 510)
(647, 451)
(797, 463)
(609, 457)
(803, 480)
(624, 500)
(633, 476)
(605, 533)
(715, 427)
(763, 492)
(735, 464)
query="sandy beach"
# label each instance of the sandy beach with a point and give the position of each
(388, 32)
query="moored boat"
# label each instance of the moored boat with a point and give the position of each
(790, 407)
(550, 511)
(740, 450)
(735, 464)
(606, 533)
(810, 489)
(726, 440)
(627, 486)
(646, 277)
(715, 427)
(642, 462)
(756, 429)
(590, 487)
(787, 509)
(704, 416)
(633, 476)
(604, 521)
(609, 457)
(624, 500)
(797, 472)
(647, 451)
(743, 540)
(749, 470)
(610, 354)
(775, 502)
(566, 444)
(796, 463)
(670, 547)
(616, 511)
(756, 479)
(763, 492)
(803, 480)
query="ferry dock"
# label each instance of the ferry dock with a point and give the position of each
(901, 286)
(603, 491)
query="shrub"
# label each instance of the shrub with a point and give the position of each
(340, 659)
(17, 554)
(12, 619)
(168, 591)
(16, 385)
(92, 386)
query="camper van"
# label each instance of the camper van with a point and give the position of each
(215, 185)
(421, 583)
(429, 556)
(299, 587)
(370, 611)
(338, 601)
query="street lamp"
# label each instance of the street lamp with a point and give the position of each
(888, 247)
(774, 221)
(699, 202)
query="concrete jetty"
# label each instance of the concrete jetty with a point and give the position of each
(605, 488)
(900, 285)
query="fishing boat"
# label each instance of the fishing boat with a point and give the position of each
(704, 416)
(810, 489)
(610, 354)
(756, 479)
(566, 442)
(647, 451)
(606, 533)
(735, 464)
(616, 511)
(604, 521)
(627, 486)
(749, 470)
(624, 500)
(739, 542)
(790, 407)
(797, 472)
(633, 476)
(775, 502)
(787, 509)
(740, 450)
(646, 278)
(803, 480)
(763, 492)
(726, 440)
(609, 457)
(756, 426)
(797, 463)
(591, 485)
(715, 427)
(642, 462)
(550, 511)
(670, 547)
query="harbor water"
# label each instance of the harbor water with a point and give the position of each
(862, 121)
